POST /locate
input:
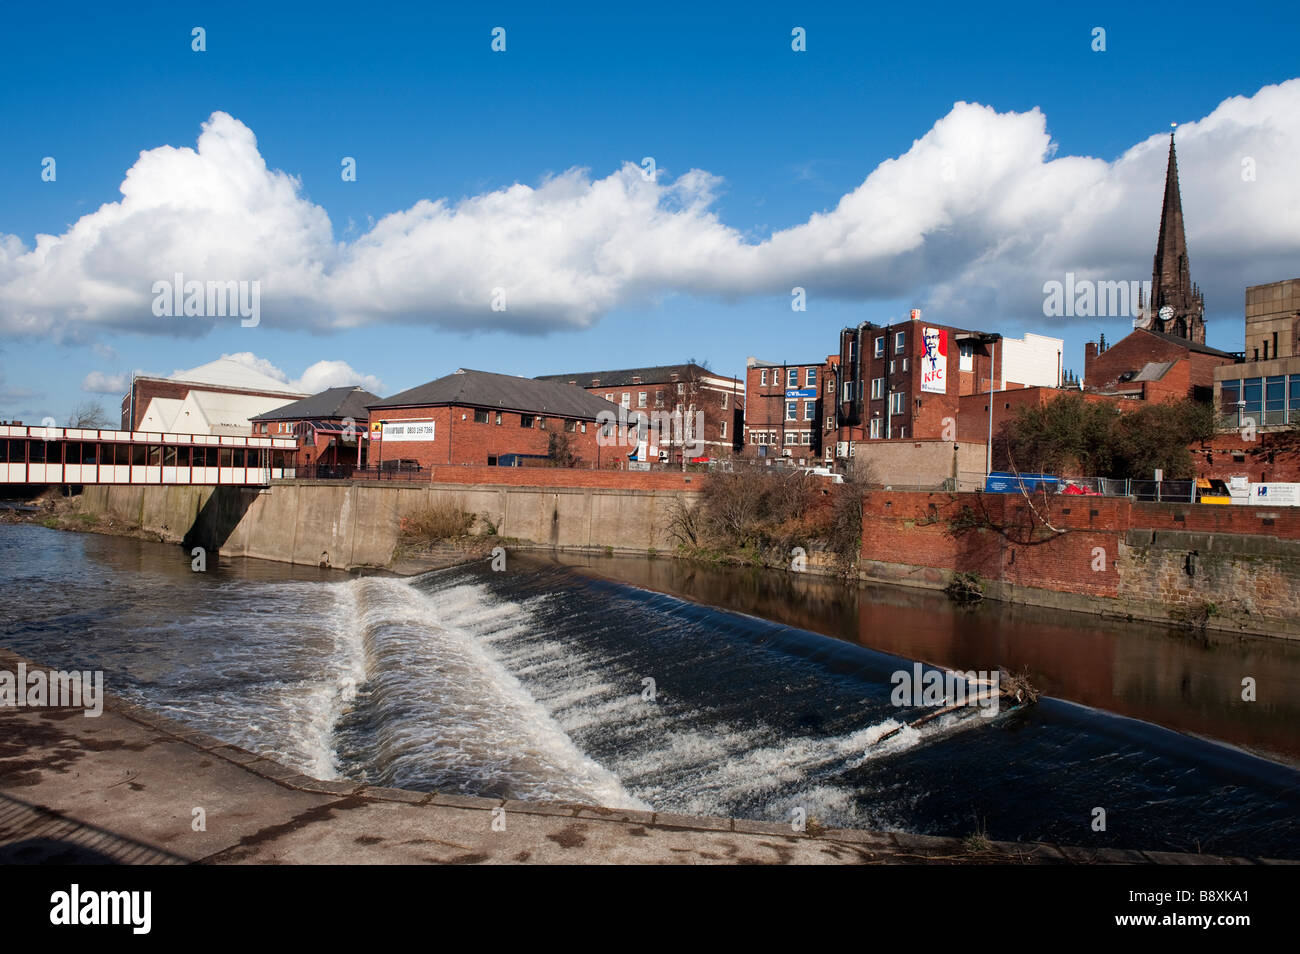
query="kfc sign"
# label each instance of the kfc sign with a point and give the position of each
(934, 360)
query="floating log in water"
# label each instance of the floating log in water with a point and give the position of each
(1015, 689)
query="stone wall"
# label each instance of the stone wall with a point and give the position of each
(1230, 568)
(356, 524)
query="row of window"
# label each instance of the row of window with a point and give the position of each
(877, 429)
(791, 377)
(273, 427)
(792, 410)
(792, 438)
(642, 397)
(122, 454)
(527, 420)
(1270, 400)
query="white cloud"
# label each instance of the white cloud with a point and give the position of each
(335, 374)
(970, 220)
(97, 382)
(317, 377)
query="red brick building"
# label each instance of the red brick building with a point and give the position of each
(686, 389)
(477, 417)
(1124, 366)
(973, 420)
(332, 429)
(905, 380)
(787, 407)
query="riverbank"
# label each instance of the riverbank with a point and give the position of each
(1223, 569)
(131, 786)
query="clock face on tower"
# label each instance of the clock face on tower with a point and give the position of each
(1166, 313)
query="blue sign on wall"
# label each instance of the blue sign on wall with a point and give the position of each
(801, 392)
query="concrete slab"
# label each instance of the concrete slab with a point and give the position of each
(124, 787)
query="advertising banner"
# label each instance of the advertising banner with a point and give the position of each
(407, 431)
(934, 360)
(801, 392)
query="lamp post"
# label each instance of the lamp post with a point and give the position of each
(992, 341)
(988, 448)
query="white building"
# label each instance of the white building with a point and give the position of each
(218, 398)
(1032, 361)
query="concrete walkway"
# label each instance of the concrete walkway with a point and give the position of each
(125, 786)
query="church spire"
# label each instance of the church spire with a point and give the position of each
(1176, 307)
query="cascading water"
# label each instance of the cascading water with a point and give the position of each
(546, 683)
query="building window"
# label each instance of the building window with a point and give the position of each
(900, 341)
(722, 429)
(877, 388)
(763, 378)
(880, 347)
(809, 410)
(570, 426)
(791, 438)
(904, 364)
(627, 399)
(525, 420)
(810, 379)
(875, 427)
(792, 410)
(896, 402)
(966, 352)
(482, 417)
(724, 400)
(659, 399)
(609, 398)
(640, 399)
(902, 430)
(498, 418)
(792, 378)
(805, 437)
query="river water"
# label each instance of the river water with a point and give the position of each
(651, 683)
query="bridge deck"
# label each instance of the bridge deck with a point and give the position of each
(62, 455)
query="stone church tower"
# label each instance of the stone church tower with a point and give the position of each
(1177, 306)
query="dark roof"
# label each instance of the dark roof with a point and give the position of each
(1189, 344)
(660, 374)
(1153, 371)
(332, 402)
(503, 392)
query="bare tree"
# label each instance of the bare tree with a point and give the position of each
(88, 414)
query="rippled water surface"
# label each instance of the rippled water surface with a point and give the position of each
(608, 681)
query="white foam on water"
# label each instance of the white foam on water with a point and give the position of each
(451, 714)
(324, 702)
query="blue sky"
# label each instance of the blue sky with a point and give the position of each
(429, 112)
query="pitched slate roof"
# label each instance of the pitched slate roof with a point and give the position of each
(504, 392)
(332, 402)
(1188, 344)
(660, 374)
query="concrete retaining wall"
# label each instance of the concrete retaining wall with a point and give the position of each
(351, 525)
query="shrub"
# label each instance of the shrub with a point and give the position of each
(442, 521)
